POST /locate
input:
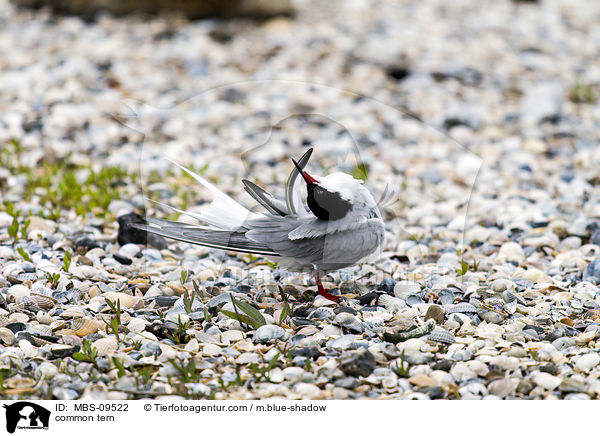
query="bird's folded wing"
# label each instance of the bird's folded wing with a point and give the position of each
(326, 251)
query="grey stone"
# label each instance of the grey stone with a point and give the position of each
(592, 271)
(357, 363)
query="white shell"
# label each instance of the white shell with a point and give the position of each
(105, 346)
(72, 312)
(39, 329)
(42, 301)
(7, 336)
(86, 326)
(268, 332)
(126, 300)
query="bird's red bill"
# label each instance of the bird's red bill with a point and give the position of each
(307, 177)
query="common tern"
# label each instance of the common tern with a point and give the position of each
(340, 226)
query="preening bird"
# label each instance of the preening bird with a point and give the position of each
(340, 227)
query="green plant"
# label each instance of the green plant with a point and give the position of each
(53, 215)
(197, 290)
(119, 365)
(308, 364)
(464, 267)
(64, 185)
(10, 209)
(13, 229)
(17, 145)
(261, 370)
(188, 301)
(24, 254)
(360, 171)
(184, 276)
(88, 353)
(286, 311)
(401, 370)
(115, 321)
(179, 335)
(67, 261)
(187, 371)
(235, 382)
(417, 237)
(52, 279)
(582, 93)
(144, 374)
(25, 228)
(207, 315)
(250, 315)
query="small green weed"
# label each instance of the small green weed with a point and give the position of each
(184, 276)
(360, 171)
(115, 321)
(464, 267)
(119, 365)
(52, 279)
(67, 261)
(187, 371)
(188, 301)
(582, 93)
(250, 315)
(88, 353)
(199, 293)
(179, 336)
(13, 229)
(417, 237)
(402, 369)
(24, 254)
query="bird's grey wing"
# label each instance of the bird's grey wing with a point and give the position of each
(274, 233)
(329, 251)
(289, 186)
(273, 205)
(234, 240)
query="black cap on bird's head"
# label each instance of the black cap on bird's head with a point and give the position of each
(324, 204)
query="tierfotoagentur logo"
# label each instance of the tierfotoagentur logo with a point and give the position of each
(25, 415)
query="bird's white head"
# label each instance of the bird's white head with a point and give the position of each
(333, 196)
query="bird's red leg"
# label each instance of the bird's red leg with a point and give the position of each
(322, 291)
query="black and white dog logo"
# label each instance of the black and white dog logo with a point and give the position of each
(26, 415)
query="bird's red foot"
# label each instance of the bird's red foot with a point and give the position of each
(325, 293)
